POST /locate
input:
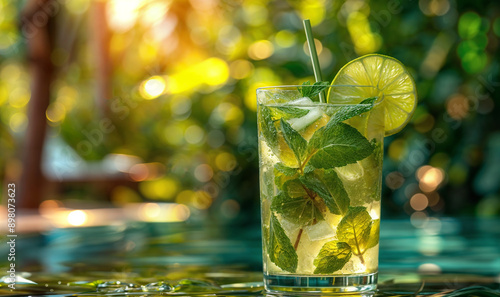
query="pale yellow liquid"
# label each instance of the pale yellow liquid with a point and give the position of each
(362, 182)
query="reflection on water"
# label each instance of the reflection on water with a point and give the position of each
(151, 258)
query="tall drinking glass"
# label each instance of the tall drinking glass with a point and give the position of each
(320, 183)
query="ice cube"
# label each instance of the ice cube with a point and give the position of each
(307, 251)
(272, 268)
(371, 259)
(301, 123)
(291, 229)
(313, 114)
(302, 101)
(333, 220)
(374, 210)
(319, 231)
(353, 266)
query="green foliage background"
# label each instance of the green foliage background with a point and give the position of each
(210, 57)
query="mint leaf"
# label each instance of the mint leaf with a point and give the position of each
(301, 210)
(349, 111)
(268, 128)
(337, 146)
(289, 112)
(332, 257)
(354, 228)
(282, 174)
(374, 234)
(328, 186)
(288, 171)
(310, 91)
(294, 140)
(281, 251)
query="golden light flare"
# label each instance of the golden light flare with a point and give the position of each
(241, 69)
(56, 112)
(162, 189)
(419, 202)
(47, 207)
(122, 15)
(139, 172)
(212, 72)
(150, 211)
(260, 50)
(77, 218)
(317, 43)
(153, 13)
(162, 212)
(181, 212)
(430, 178)
(314, 10)
(153, 87)
(364, 40)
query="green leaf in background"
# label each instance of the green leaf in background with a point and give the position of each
(337, 146)
(328, 186)
(332, 257)
(282, 174)
(268, 129)
(313, 91)
(349, 111)
(281, 251)
(301, 210)
(288, 112)
(294, 140)
(374, 234)
(354, 228)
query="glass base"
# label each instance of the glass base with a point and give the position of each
(320, 285)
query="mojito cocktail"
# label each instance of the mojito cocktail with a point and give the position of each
(321, 152)
(320, 179)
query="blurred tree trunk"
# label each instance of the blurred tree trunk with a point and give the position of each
(100, 37)
(36, 22)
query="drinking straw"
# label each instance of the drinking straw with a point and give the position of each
(314, 56)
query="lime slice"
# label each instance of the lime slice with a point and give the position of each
(391, 83)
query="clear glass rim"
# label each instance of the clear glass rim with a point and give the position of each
(308, 86)
(334, 102)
